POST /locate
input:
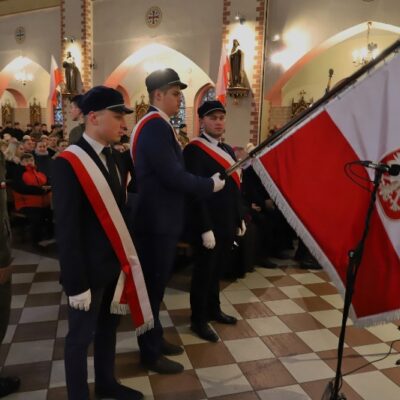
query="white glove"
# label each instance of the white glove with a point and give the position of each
(208, 240)
(81, 301)
(242, 230)
(218, 182)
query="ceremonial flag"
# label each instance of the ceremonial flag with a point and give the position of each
(304, 172)
(223, 77)
(55, 80)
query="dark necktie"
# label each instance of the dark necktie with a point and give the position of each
(222, 146)
(112, 172)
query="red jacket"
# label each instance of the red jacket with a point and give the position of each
(28, 190)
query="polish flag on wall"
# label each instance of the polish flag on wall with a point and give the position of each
(55, 80)
(223, 77)
(304, 171)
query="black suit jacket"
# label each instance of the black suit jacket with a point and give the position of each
(223, 211)
(87, 259)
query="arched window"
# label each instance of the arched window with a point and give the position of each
(209, 95)
(179, 119)
(57, 110)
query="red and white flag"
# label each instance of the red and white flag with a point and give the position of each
(223, 77)
(55, 80)
(304, 172)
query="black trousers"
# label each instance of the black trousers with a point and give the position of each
(41, 222)
(209, 266)
(5, 304)
(157, 255)
(97, 325)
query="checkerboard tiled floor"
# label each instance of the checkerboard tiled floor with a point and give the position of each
(283, 347)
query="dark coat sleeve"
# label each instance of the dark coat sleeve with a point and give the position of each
(68, 200)
(193, 162)
(159, 150)
(5, 231)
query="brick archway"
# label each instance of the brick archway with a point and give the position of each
(18, 97)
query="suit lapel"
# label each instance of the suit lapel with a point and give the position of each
(89, 149)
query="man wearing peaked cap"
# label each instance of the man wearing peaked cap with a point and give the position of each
(213, 222)
(162, 183)
(89, 264)
(76, 115)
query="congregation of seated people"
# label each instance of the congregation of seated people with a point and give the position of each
(29, 156)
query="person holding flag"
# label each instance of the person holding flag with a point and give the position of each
(214, 221)
(162, 183)
(100, 271)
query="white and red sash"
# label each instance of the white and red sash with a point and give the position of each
(137, 130)
(130, 292)
(218, 155)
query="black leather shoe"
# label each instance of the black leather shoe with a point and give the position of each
(170, 349)
(204, 332)
(308, 263)
(117, 392)
(222, 318)
(9, 385)
(164, 366)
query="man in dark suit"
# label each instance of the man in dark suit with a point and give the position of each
(89, 265)
(162, 184)
(214, 221)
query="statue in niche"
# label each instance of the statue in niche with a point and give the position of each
(71, 75)
(235, 59)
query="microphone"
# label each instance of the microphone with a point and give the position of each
(392, 170)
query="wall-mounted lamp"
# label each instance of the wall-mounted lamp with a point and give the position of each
(276, 37)
(70, 39)
(240, 18)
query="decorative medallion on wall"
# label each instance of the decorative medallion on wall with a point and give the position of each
(20, 34)
(153, 17)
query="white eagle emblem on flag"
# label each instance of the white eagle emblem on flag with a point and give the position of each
(389, 190)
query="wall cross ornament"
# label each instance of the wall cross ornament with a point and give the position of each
(153, 17)
(20, 34)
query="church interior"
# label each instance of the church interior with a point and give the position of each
(286, 54)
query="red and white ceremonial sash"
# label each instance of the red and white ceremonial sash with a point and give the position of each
(130, 292)
(137, 130)
(218, 155)
(304, 173)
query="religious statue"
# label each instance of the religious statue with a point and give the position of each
(235, 59)
(71, 75)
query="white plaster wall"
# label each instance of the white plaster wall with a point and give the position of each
(313, 77)
(322, 19)
(190, 27)
(42, 37)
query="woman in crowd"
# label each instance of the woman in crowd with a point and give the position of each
(13, 155)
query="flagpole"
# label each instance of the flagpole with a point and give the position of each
(325, 99)
(355, 258)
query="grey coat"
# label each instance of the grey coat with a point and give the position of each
(5, 231)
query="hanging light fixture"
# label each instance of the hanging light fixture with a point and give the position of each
(23, 77)
(368, 53)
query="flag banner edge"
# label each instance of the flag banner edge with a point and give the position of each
(315, 250)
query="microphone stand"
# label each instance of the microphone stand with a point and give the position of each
(355, 258)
